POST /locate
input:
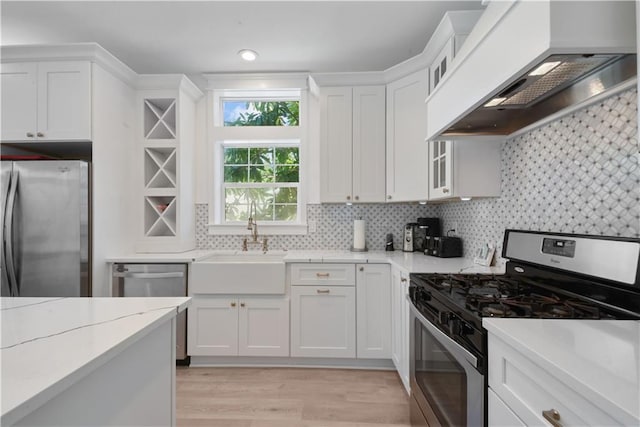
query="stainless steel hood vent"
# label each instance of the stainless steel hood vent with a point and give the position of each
(554, 84)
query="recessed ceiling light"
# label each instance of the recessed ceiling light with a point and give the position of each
(248, 54)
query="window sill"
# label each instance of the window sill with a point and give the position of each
(263, 229)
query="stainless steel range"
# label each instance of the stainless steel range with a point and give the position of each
(548, 275)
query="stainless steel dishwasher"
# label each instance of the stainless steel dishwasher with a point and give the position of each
(155, 280)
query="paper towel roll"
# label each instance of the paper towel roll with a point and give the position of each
(358, 234)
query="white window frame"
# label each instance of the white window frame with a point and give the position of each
(220, 136)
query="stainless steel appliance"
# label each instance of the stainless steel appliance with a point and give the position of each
(45, 222)
(548, 275)
(407, 242)
(155, 280)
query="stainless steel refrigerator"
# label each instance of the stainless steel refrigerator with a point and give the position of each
(45, 228)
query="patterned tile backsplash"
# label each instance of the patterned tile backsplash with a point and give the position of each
(334, 227)
(578, 174)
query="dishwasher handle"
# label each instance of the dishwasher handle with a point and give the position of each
(169, 275)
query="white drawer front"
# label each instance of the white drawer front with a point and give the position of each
(323, 274)
(529, 390)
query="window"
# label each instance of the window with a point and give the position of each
(257, 141)
(267, 175)
(260, 113)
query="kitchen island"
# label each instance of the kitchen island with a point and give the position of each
(88, 361)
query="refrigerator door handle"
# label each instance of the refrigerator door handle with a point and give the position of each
(8, 236)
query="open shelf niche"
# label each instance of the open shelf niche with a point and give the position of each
(160, 118)
(160, 216)
(160, 167)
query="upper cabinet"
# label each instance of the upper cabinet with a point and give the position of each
(46, 101)
(407, 150)
(446, 41)
(167, 146)
(352, 144)
(464, 169)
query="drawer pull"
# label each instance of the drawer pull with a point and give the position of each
(553, 417)
(322, 274)
(241, 304)
(403, 279)
(323, 291)
(233, 304)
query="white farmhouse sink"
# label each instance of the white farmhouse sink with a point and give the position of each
(239, 273)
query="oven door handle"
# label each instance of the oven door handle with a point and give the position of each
(456, 349)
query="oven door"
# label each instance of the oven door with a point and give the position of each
(446, 387)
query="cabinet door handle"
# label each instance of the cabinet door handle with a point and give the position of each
(348, 197)
(389, 197)
(403, 279)
(40, 134)
(233, 304)
(322, 274)
(361, 268)
(357, 197)
(323, 291)
(445, 190)
(241, 304)
(553, 417)
(29, 134)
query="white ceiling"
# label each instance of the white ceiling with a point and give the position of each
(205, 36)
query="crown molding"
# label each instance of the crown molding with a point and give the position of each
(256, 80)
(169, 82)
(92, 52)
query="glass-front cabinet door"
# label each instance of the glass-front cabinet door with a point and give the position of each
(441, 158)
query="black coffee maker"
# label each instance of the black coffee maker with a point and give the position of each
(424, 232)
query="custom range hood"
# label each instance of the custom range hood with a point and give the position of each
(531, 59)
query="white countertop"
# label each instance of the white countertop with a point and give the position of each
(599, 358)
(49, 344)
(412, 262)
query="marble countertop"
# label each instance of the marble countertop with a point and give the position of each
(598, 358)
(49, 344)
(412, 262)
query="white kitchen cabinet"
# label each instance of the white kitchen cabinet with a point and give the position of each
(535, 396)
(323, 321)
(324, 274)
(46, 101)
(238, 326)
(407, 151)
(166, 135)
(352, 139)
(441, 64)
(446, 41)
(400, 324)
(373, 308)
(499, 413)
(464, 168)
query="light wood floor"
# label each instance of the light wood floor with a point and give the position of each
(290, 397)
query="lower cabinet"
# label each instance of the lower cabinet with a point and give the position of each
(323, 321)
(400, 324)
(373, 308)
(531, 394)
(238, 326)
(500, 415)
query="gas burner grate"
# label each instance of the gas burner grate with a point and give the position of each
(533, 305)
